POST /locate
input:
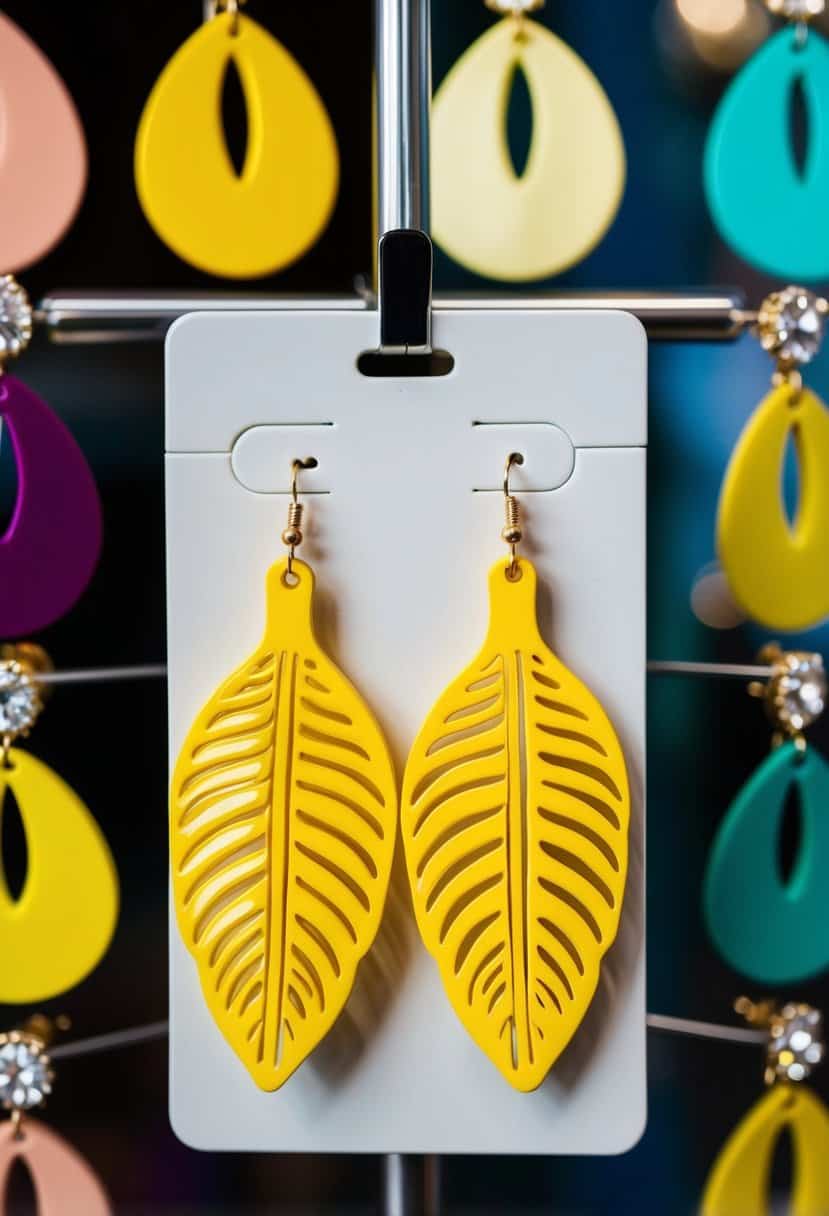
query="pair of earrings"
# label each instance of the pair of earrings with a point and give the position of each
(55, 930)
(786, 941)
(255, 222)
(62, 1181)
(514, 820)
(765, 203)
(50, 549)
(551, 215)
(740, 1180)
(777, 568)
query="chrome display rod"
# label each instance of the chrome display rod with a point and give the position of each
(404, 92)
(76, 317)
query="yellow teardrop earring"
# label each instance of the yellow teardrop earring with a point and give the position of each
(779, 572)
(484, 215)
(283, 822)
(61, 922)
(254, 223)
(740, 1178)
(514, 818)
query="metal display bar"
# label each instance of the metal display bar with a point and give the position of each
(154, 1031)
(150, 671)
(93, 317)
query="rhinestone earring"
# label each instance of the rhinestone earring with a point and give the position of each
(64, 1182)
(779, 571)
(740, 1180)
(59, 926)
(766, 920)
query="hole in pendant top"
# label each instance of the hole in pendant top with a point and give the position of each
(14, 849)
(15, 318)
(799, 126)
(235, 117)
(519, 119)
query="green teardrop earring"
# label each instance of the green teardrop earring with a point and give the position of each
(768, 920)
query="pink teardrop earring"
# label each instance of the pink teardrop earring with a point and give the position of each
(50, 549)
(43, 161)
(62, 1180)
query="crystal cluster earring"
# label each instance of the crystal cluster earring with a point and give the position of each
(514, 818)
(778, 570)
(740, 1180)
(62, 1180)
(59, 925)
(767, 922)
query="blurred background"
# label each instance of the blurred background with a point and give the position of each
(664, 64)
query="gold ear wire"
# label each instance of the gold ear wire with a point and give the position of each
(512, 532)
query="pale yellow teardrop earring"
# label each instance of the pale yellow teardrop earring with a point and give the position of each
(483, 214)
(778, 571)
(261, 220)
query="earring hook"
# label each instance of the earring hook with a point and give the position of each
(511, 532)
(292, 536)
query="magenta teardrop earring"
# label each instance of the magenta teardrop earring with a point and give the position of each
(50, 549)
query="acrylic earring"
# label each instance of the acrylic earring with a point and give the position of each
(283, 822)
(778, 571)
(786, 942)
(740, 1180)
(60, 924)
(256, 222)
(514, 818)
(767, 207)
(43, 160)
(529, 226)
(50, 549)
(64, 1184)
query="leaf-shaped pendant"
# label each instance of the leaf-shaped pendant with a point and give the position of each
(528, 227)
(42, 152)
(770, 929)
(60, 927)
(261, 220)
(50, 549)
(778, 573)
(514, 818)
(764, 206)
(64, 1184)
(283, 820)
(740, 1180)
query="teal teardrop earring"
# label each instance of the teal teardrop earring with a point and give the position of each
(767, 206)
(766, 920)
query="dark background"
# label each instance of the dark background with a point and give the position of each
(109, 741)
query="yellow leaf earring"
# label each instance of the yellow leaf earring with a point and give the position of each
(485, 215)
(283, 821)
(740, 1178)
(59, 925)
(256, 222)
(514, 818)
(778, 571)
